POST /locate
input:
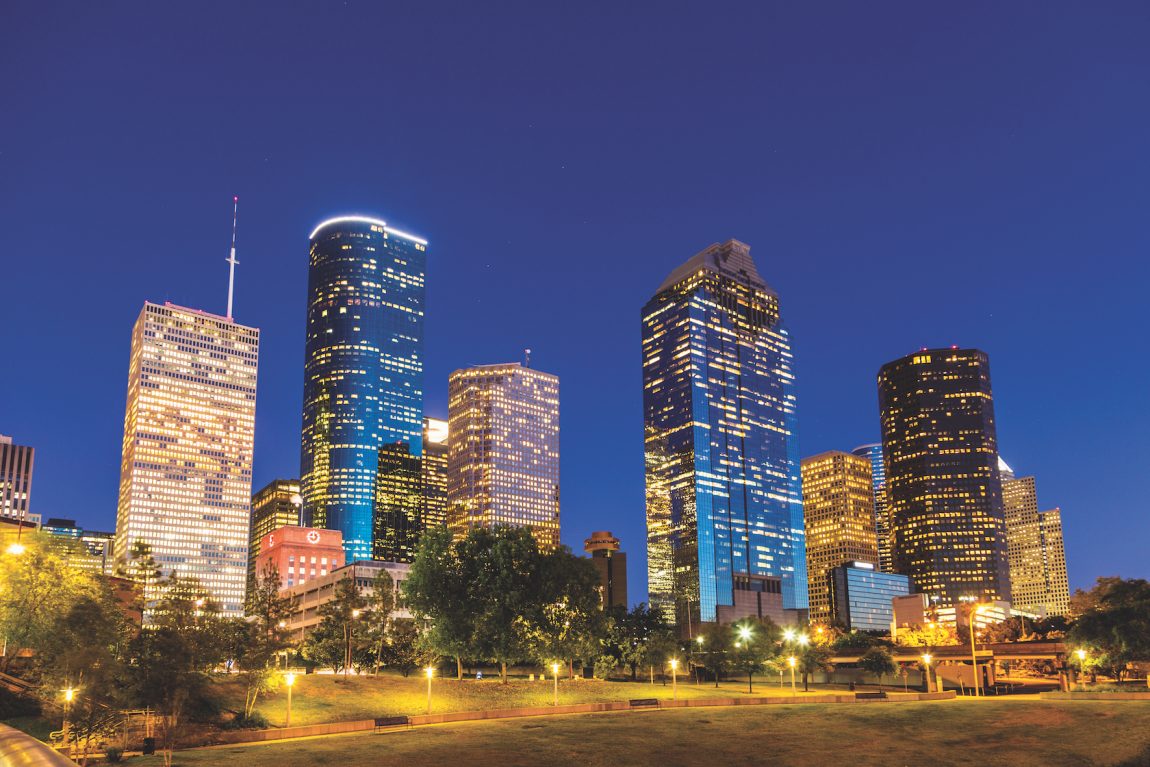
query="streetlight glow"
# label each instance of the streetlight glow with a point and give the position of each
(789, 635)
(745, 632)
(16, 549)
(1081, 654)
(69, 694)
(804, 640)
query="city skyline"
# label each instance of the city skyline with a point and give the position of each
(852, 220)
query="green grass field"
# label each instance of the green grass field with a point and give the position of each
(1014, 733)
(320, 698)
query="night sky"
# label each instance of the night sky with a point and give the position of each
(907, 174)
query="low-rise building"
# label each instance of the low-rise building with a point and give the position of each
(861, 596)
(313, 594)
(300, 554)
(89, 550)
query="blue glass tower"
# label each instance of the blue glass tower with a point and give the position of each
(363, 370)
(723, 481)
(873, 453)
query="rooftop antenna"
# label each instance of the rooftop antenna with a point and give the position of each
(232, 258)
(526, 358)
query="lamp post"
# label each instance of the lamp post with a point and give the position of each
(674, 679)
(289, 680)
(347, 651)
(926, 663)
(555, 680)
(699, 641)
(973, 652)
(430, 671)
(69, 694)
(1081, 654)
(791, 661)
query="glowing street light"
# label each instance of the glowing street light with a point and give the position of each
(926, 662)
(430, 671)
(1081, 654)
(555, 677)
(974, 610)
(69, 694)
(745, 633)
(804, 640)
(16, 549)
(674, 679)
(289, 680)
(789, 635)
(791, 661)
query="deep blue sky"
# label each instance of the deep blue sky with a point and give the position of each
(907, 174)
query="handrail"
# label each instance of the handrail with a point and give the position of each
(18, 749)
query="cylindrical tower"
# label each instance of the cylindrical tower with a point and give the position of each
(363, 369)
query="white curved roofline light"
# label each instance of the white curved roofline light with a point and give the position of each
(366, 220)
(343, 219)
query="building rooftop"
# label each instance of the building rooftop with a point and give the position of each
(731, 258)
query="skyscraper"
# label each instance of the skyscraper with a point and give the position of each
(723, 487)
(435, 450)
(276, 504)
(943, 486)
(363, 370)
(186, 469)
(503, 461)
(611, 564)
(838, 509)
(873, 453)
(15, 479)
(399, 504)
(1034, 545)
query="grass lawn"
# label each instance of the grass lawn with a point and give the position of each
(1015, 733)
(320, 698)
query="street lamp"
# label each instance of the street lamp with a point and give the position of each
(789, 635)
(674, 679)
(792, 661)
(699, 641)
(804, 640)
(347, 653)
(289, 680)
(69, 694)
(555, 677)
(745, 633)
(1081, 666)
(926, 662)
(974, 609)
(430, 672)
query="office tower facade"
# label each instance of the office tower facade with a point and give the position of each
(862, 597)
(300, 554)
(722, 469)
(16, 462)
(943, 487)
(611, 564)
(1037, 558)
(275, 505)
(503, 459)
(873, 453)
(435, 451)
(363, 370)
(399, 504)
(186, 468)
(838, 510)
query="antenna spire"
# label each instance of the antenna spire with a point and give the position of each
(526, 358)
(232, 257)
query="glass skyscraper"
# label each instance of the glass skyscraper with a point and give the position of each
(943, 485)
(363, 370)
(723, 482)
(873, 453)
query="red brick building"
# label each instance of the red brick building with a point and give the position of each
(300, 553)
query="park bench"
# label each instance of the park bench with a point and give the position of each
(385, 722)
(870, 695)
(644, 702)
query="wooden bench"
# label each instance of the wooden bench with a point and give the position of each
(385, 722)
(644, 702)
(870, 695)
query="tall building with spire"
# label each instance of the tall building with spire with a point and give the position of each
(1035, 549)
(363, 375)
(873, 453)
(724, 506)
(838, 509)
(503, 455)
(943, 486)
(189, 429)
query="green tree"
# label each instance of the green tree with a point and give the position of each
(254, 645)
(715, 649)
(403, 651)
(877, 661)
(630, 633)
(1114, 625)
(324, 647)
(567, 622)
(377, 616)
(811, 659)
(438, 591)
(506, 587)
(343, 614)
(754, 643)
(37, 589)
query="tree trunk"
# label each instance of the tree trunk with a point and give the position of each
(458, 668)
(750, 682)
(571, 668)
(503, 671)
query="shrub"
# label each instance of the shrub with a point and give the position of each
(114, 755)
